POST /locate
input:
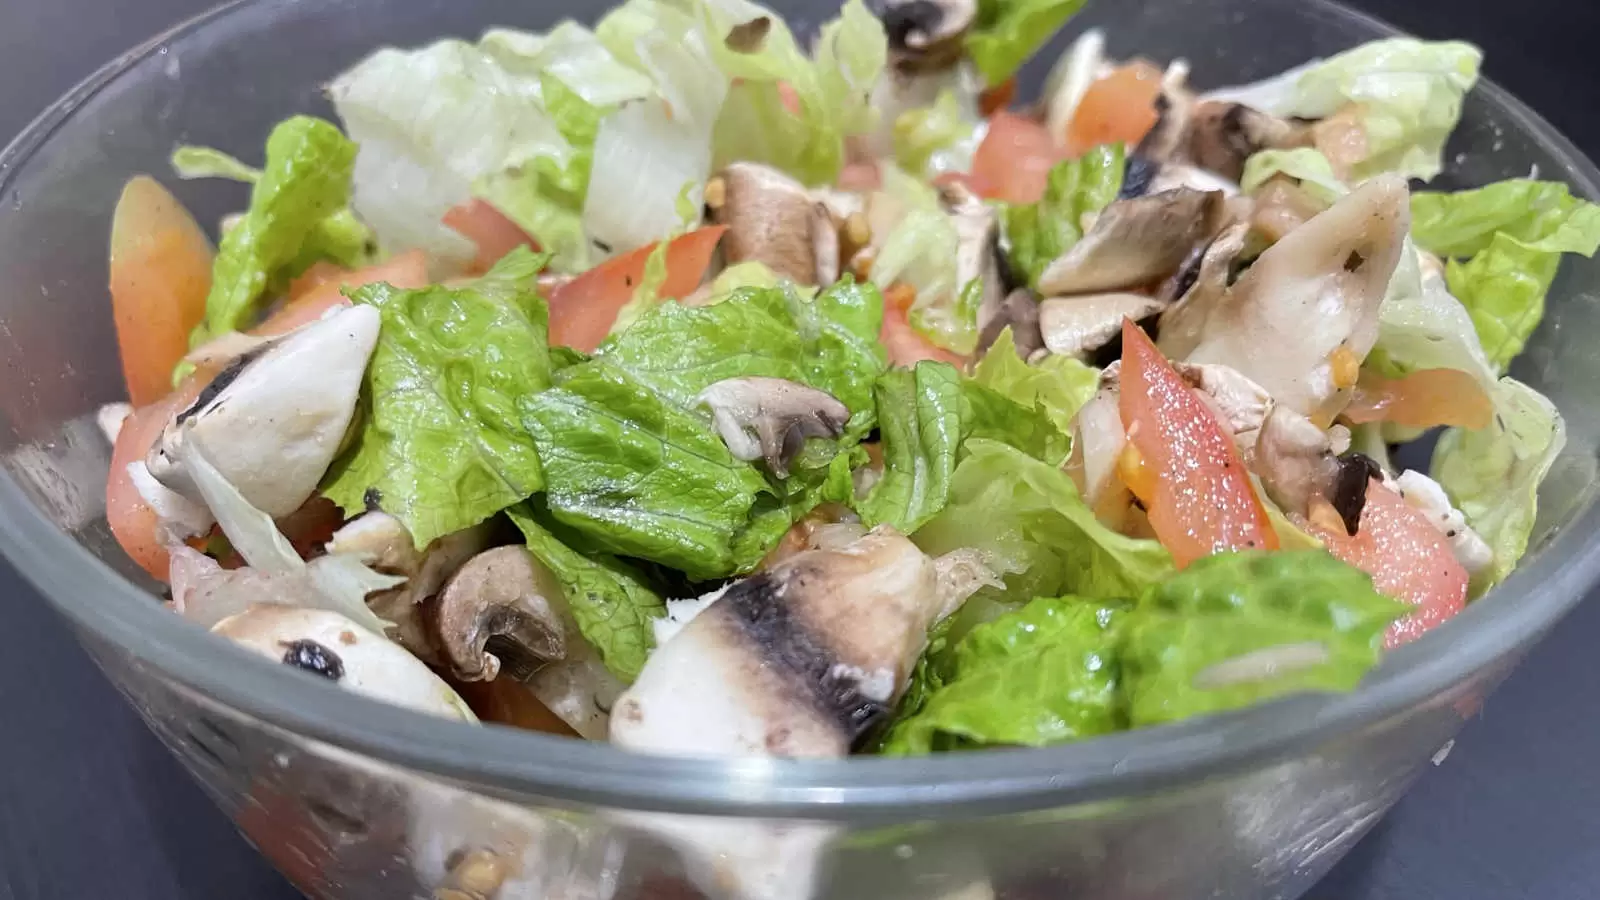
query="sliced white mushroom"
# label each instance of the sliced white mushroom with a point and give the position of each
(1302, 318)
(181, 517)
(773, 219)
(1241, 405)
(1069, 80)
(771, 418)
(111, 417)
(977, 253)
(798, 661)
(1426, 496)
(1223, 135)
(1077, 326)
(926, 35)
(1295, 461)
(1135, 242)
(332, 646)
(504, 614)
(1098, 439)
(274, 420)
(1196, 289)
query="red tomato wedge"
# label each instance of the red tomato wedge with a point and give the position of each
(905, 344)
(583, 310)
(1186, 470)
(407, 270)
(1118, 107)
(1406, 556)
(1421, 399)
(996, 99)
(160, 275)
(489, 228)
(132, 520)
(1013, 161)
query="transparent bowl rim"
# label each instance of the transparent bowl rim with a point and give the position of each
(511, 762)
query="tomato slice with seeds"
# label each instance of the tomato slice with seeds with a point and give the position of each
(1182, 466)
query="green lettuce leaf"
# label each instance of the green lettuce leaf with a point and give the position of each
(921, 252)
(1410, 92)
(1008, 32)
(939, 137)
(441, 446)
(1421, 326)
(1044, 674)
(1077, 188)
(1028, 516)
(919, 417)
(1493, 475)
(832, 89)
(191, 162)
(991, 415)
(1059, 385)
(1238, 628)
(613, 604)
(637, 475)
(305, 181)
(1307, 166)
(1514, 233)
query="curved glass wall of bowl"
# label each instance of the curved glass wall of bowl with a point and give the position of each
(1252, 805)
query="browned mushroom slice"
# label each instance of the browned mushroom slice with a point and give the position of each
(771, 418)
(1167, 141)
(1074, 326)
(503, 610)
(926, 35)
(1241, 405)
(1135, 242)
(1019, 311)
(1223, 135)
(1197, 289)
(773, 219)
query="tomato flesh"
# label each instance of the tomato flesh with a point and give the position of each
(1119, 107)
(160, 275)
(583, 310)
(1190, 478)
(132, 521)
(1407, 557)
(492, 230)
(316, 297)
(1013, 161)
(1421, 399)
(905, 345)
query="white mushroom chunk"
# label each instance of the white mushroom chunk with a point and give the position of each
(1301, 319)
(1098, 439)
(274, 420)
(1241, 405)
(504, 614)
(772, 219)
(111, 418)
(771, 418)
(333, 647)
(1426, 496)
(801, 660)
(1135, 242)
(977, 229)
(179, 516)
(1295, 461)
(1196, 289)
(927, 35)
(1077, 326)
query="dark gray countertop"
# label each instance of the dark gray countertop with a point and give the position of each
(91, 806)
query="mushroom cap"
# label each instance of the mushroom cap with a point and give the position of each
(500, 596)
(1135, 242)
(1074, 326)
(771, 418)
(773, 219)
(926, 35)
(274, 420)
(371, 665)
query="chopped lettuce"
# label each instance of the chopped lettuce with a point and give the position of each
(1044, 674)
(306, 180)
(921, 252)
(1060, 385)
(919, 416)
(442, 445)
(191, 162)
(989, 414)
(1514, 233)
(1493, 475)
(1238, 628)
(1409, 91)
(1307, 166)
(636, 474)
(612, 603)
(1077, 189)
(1008, 32)
(1029, 517)
(939, 137)
(1421, 326)
(831, 91)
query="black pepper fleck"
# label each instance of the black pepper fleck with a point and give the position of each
(314, 658)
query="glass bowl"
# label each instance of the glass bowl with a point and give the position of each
(353, 799)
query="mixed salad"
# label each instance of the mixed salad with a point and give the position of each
(689, 385)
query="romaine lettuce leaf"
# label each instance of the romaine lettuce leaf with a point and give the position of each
(612, 603)
(1514, 233)
(1493, 475)
(991, 415)
(1421, 326)
(306, 180)
(1008, 32)
(1238, 628)
(831, 91)
(442, 446)
(1029, 517)
(1044, 674)
(1077, 188)
(637, 475)
(1410, 93)
(1307, 166)
(919, 416)
(921, 252)
(939, 137)
(1060, 385)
